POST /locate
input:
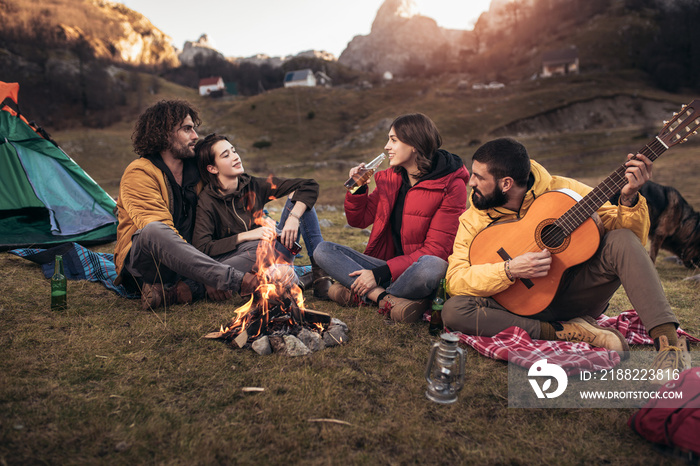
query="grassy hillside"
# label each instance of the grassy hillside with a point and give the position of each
(321, 133)
(105, 382)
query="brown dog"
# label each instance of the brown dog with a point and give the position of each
(675, 226)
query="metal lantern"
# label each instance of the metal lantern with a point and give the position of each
(445, 370)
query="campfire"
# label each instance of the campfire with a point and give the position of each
(275, 318)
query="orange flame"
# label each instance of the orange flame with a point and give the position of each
(276, 278)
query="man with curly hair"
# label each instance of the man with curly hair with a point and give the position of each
(157, 201)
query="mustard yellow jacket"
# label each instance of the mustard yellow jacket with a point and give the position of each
(463, 278)
(144, 197)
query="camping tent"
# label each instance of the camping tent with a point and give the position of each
(45, 197)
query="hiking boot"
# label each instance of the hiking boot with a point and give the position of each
(670, 360)
(322, 282)
(154, 296)
(306, 281)
(586, 330)
(343, 296)
(402, 309)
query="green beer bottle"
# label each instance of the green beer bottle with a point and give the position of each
(436, 326)
(59, 287)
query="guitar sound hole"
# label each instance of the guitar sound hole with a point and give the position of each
(552, 236)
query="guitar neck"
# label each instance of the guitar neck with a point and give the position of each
(584, 209)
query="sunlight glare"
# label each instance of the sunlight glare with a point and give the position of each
(453, 14)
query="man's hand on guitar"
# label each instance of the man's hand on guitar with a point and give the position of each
(531, 264)
(637, 173)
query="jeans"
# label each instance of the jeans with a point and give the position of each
(245, 256)
(159, 255)
(308, 226)
(585, 290)
(418, 281)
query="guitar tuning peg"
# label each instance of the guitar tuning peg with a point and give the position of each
(665, 122)
(675, 114)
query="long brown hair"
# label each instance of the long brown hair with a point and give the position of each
(152, 130)
(204, 153)
(418, 131)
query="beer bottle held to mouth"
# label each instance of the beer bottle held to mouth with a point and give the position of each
(363, 175)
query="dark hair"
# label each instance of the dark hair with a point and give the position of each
(205, 156)
(505, 157)
(418, 131)
(152, 130)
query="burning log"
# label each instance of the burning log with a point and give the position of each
(276, 309)
(270, 317)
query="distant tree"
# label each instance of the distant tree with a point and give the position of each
(639, 5)
(155, 85)
(673, 56)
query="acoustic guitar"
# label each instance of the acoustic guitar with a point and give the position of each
(566, 224)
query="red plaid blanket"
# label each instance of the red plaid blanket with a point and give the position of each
(515, 345)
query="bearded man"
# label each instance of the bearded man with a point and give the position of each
(505, 183)
(157, 202)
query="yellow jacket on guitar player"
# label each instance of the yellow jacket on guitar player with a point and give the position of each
(489, 279)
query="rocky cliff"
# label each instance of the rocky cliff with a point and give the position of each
(106, 29)
(137, 41)
(400, 39)
(199, 52)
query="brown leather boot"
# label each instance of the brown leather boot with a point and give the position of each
(153, 296)
(306, 281)
(402, 309)
(322, 282)
(343, 296)
(586, 329)
(670, 360)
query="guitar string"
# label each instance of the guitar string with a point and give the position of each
(557, 235)
(583, 210)
(662, 147)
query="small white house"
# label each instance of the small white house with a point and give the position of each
(209, 85)
(298, 78)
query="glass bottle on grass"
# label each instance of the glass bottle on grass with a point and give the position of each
(59, 287)
(363, 175)
(436, 325)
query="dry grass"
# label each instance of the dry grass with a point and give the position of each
(105, 382)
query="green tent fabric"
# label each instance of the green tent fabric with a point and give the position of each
(45, 197)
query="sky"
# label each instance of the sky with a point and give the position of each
(242, 28)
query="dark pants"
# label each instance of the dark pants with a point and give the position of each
(159, 255)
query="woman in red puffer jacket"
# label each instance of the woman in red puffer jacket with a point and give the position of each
(414, 210)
